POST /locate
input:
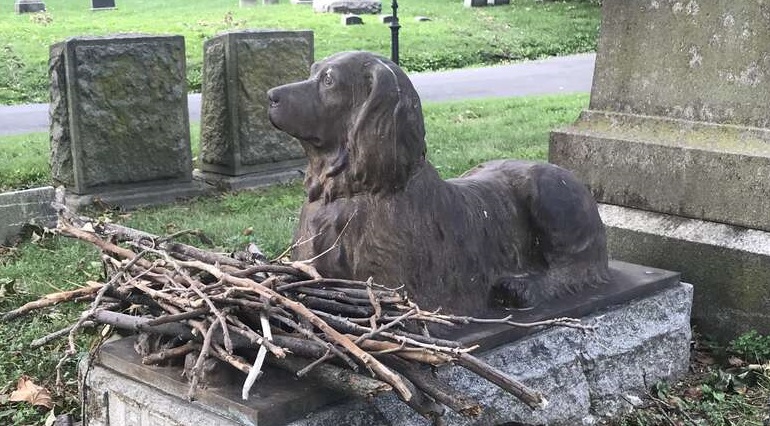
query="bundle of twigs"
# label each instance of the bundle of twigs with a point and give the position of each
(358, 337)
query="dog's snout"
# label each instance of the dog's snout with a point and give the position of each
(272, 95)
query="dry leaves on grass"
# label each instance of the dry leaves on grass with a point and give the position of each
(28, 391)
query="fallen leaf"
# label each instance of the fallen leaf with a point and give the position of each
(88, 228)
(734, 361)
(28, 391)
(248, 231)
(6, 287)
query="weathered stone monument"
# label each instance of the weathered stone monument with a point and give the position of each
(676, 142)
(29, 6)
(239, 146)
(119, 121)
(357, 7)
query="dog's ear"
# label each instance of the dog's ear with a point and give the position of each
(387, 139)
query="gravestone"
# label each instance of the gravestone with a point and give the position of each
(119, 121)
(239, 146)
(102, 4)
(386, 19)
(302, 2)
(357, 7)
(29, 6)
(248, 3)
(350, 19)
(474, 3)
(676, 143)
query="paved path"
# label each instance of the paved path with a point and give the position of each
(566, 74)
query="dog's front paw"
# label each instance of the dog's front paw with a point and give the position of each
(518, 291)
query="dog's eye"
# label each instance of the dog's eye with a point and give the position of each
(328, 81)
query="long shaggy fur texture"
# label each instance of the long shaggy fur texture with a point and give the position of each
(517, 233)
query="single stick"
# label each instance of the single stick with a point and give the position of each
(534, 400)
(53, 299)
(166, 354)
(57, 334)
(336, 378)
(434, 387)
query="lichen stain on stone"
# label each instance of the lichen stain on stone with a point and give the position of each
(692, 8)
(654, 4)
(677, 7)
(696, 59)
(752, 76)
(728, 21)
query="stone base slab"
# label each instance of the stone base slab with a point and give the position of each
(136, 196)
(671, 166)
(20, 208)
(729, 266)
(584, 376)
(248, 181)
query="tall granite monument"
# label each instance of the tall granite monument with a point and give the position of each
(676, 144)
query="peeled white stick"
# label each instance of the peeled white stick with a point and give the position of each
(256, 369)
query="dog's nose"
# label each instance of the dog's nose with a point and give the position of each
(272, 94)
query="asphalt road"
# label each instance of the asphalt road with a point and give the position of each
(566, 74)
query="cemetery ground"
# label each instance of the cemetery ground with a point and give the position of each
(725, 386)
(455, 37)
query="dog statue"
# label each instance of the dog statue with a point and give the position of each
(516, 233)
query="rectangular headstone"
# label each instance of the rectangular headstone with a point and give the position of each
(678, 134)
(475, 3)
(29, 6)
(237, 138)
(102, 4)
(119, 116)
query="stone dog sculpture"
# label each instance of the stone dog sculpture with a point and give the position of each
(513, 232)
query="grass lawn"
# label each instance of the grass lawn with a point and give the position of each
(455, 37)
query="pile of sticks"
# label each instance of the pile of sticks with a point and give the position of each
(357, 337)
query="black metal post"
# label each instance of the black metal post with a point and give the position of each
(394, 33)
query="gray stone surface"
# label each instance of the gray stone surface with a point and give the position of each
(498, 2)
(283, 173)
(729, 266)
(119, 113)
(19, 208)
(671, 166)
(348, 6)
(351, 20)
(29, 6)
(239, 67)
(248, 3)
(695, 60)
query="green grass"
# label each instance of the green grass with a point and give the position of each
(456, 37)
(460, 134)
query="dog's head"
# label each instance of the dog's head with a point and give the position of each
(360, 122)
